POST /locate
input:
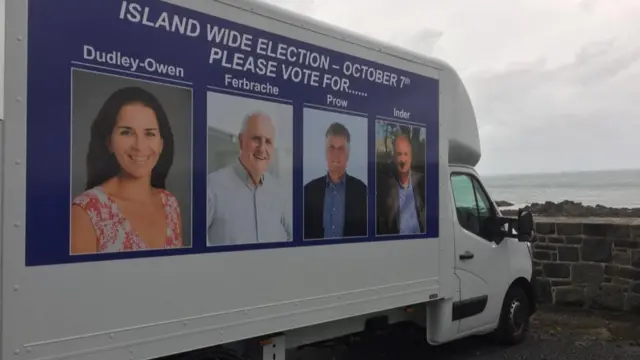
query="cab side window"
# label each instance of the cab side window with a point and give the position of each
(465, 201)
(473, 207)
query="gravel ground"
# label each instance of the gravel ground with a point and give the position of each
(556, 333)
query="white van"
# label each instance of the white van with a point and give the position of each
(175, 176)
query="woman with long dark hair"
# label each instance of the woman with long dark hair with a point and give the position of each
(125, 205)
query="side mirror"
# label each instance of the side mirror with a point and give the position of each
(525, 225)
(521, 227)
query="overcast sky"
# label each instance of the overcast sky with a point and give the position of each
(555, 83)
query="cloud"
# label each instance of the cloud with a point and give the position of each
(578, 115)
(423, 40)
(554, 83)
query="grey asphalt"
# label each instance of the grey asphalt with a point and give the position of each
(554, 334)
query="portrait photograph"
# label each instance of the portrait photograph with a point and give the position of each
(400, 178)
(131, 164)
(335, 175)
(249, 170)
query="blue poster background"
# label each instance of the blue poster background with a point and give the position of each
(57, 33)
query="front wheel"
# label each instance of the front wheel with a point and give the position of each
(514, 317)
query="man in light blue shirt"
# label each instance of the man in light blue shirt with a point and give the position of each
(401, 194)
(246, 204)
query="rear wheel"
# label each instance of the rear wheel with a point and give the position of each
(514, 318)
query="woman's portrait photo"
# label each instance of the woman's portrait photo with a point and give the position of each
(126, 204)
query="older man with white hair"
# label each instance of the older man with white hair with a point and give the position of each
(245, 204)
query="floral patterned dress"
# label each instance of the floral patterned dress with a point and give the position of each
(114, 231)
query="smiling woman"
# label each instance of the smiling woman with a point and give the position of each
(130, 154)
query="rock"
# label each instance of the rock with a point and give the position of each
(568, 253)
(619, 231)
(632, 303)
(587, 274)
(542, 255)
(537, 239)
(626, 244)
(557, 271)
(569, 228)
(576, 209)
(545, 228)
(629, 273)
(555, 283)
(635, 259)
(590, 292)
(573, 240)
(609, 297)
(596, 250)
(569, 295)
(543, 289)
(622, 282)
(622, 258)
(538, 272)
(545, 247)
(622, 272)
(555, 239)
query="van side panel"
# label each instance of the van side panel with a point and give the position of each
(141, 305)
(2, 154)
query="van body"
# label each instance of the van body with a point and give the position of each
(449, 256)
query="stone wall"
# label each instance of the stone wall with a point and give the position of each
(587, 262)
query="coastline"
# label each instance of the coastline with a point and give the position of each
(568, 208)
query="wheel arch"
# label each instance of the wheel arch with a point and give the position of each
(527, 287)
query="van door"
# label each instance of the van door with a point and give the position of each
(481, 265)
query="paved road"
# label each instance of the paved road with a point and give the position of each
(555, 334)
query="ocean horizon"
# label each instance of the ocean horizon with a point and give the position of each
(613, 188)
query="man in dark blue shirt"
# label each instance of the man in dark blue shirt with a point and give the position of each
(335, 205)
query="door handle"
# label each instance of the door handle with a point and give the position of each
(467, 255)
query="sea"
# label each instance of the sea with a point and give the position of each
(614, 188)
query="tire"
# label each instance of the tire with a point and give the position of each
(514, 317)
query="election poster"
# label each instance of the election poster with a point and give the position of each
(157, 130)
